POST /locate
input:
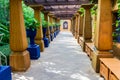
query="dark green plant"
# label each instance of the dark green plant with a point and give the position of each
(5, 38)
(50, 24)
(93, 10)
(44, 24)
(81, 10)
(30, 21)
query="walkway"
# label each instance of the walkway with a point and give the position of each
(63, 60)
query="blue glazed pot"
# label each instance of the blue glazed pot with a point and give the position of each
(33, 48)
(5, 73)
(46, 41)
(31, 34)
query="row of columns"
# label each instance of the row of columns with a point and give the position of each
(103, 33)
(19, 58)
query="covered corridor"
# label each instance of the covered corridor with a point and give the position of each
(63, 60)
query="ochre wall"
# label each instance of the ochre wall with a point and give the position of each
(69, 25)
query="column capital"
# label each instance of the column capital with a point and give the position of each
(37, 7)
(87, 6)
(46, 12)
(79, 12)
(50, 14)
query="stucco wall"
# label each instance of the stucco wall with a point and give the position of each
(69, 25)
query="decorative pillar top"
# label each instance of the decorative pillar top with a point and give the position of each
(40, 7)
(46, 12)
(79, 12)
(87, 6)
(50, 14)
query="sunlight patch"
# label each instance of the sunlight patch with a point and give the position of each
(79, 77)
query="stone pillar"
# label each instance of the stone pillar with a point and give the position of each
(19, 59)
(52, 31)
(59, 22)
(76, 25)
(71, 25)
(81, 25)
(87, 25)
(39, 35)
(48, 30)
(103, 37)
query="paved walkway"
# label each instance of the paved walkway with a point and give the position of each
(63, 60)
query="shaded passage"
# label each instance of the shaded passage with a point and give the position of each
(63, 60)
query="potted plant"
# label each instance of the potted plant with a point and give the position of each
(57, 28)
(51, 31)
(44, 27)
(31, 27)
(54, 29)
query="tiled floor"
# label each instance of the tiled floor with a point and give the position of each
(63, 60)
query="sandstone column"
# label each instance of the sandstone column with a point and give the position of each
(39, 35)
(48, 30)
(103, 37)
(19, 59)
(87, 25)
(76, 25)
(51, 27)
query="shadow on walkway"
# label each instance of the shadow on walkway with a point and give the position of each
(63, 60)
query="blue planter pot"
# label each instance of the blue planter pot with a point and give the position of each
(51, 34)
(118, 39)
(46, 41)
(33, 48)
(5, 73)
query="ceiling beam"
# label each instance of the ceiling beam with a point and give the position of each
(44, 3)
(62, 9)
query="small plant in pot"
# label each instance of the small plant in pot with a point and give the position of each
(31, 28)
(54, 27)
(44, 27)
(57, 28)
(51, 31)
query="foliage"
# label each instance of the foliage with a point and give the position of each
(50, 24)
(30, 21)
(58, 24)
(116, 33)
(4, 21)
(44, 24)
(4, 30)
(4, 12)
(81, 10)
(93, 10)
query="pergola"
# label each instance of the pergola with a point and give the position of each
(63, 9)
(81, 28)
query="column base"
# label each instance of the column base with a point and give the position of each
(81, 42)
(96, 55)
(46, 42)
(20, 61)
(41, 44)
(48, 36)
(75, 35)
(78, 39)
(51, 37)
(34, 51)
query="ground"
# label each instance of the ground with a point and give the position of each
(62, 60)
